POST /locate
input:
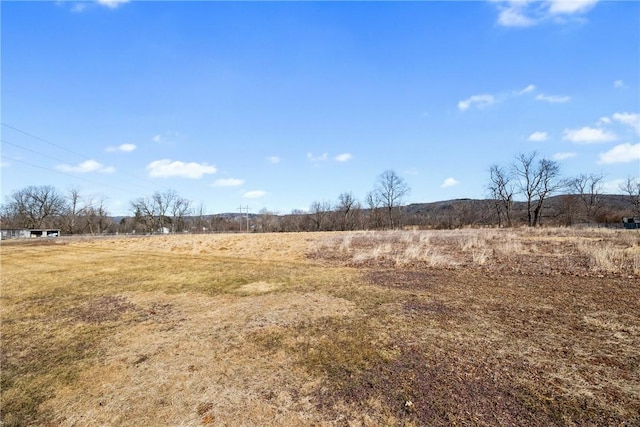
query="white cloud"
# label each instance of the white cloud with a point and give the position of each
(567, 7)
(629, 119)
(563, 156)
(167, 168)
(527, 89)
(618, 84)
(122, 147)
(4, 164)
(321, 158)
(527, 13)
(604, 120)
(554, 99)
(449, 182)
(157, 138)
(273, 159)
(344, 157)
(538, 137)
(480, 101)
(227, 182)
(86, 167)
(623, 153)
(254, 194)
(112, 4)
(513, 16)
(588, 135)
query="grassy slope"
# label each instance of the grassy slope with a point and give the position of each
(246, 330)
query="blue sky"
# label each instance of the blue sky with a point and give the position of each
(278, 104)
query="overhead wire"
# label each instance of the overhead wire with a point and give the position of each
(147, 185)
(4, 141)
(62, 173)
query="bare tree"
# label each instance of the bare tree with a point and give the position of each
(96, 217)
(144, 213)
(501, 189)
(391, 190)
(536, 180)
(589, 189)
(631, 187)
(180, 207)
(33, 206)
(374, 203)
(319, 212)
(347, 208)
(72, 211)
(162, 203)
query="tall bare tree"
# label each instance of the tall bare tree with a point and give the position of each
(180, 207)
(536, 179)
(347, 209)
(501, 189)
(631, 187)
(391, 191)
(589, 189)
(319, 212)
(73, 211)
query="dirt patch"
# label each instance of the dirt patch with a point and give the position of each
(103, 309)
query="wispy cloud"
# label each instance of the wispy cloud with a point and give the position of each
(254, 194)
(554, 99)
(344, 157)
(527, 89)
(479, 101)
(514, 15)
(623, 153)
(538, 137)
(449, 182)
(569, 7)
(227, 182)
(166, 168)
(127, 148)
(321, 158)
(563, 156)
(526, 13)
(628, 119)
(588, 135)
(157, 138)
(86, 167)
(112, 4)
(273, 159)
(618, 84)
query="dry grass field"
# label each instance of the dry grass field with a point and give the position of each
(465, 327)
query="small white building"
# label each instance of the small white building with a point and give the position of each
(25, 233)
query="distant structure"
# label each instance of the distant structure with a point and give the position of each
(25, 233)
(631, 223)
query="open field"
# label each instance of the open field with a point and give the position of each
(462, 327)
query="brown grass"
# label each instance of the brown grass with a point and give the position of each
(473, 327)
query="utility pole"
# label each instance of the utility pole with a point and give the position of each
(246, 209)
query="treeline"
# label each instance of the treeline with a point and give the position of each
(546, 198)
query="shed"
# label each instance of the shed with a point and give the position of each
(26, 233)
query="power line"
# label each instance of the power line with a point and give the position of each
(147, 185)
(62, 173)
(4, 141)
(45, 141)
